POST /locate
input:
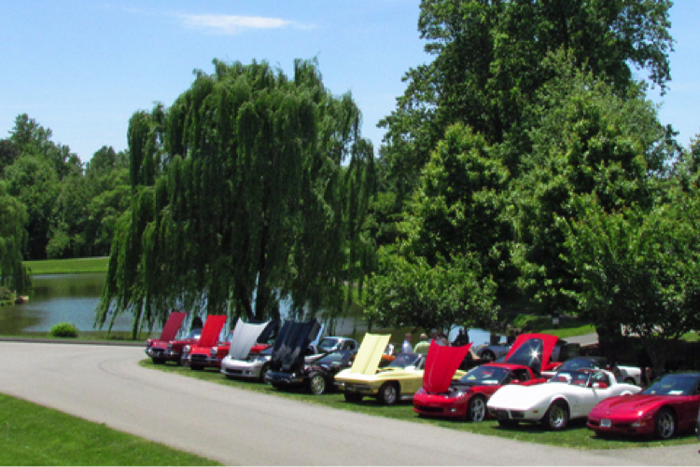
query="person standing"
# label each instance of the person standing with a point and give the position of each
(422, 346)
(407, 347)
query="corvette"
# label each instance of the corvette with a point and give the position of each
(287, 363)
(399, 380)
(198, 355)
(667, 407)
(568, 395)
(466, 398)
(166, 348)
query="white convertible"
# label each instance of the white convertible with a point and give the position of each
(569, 394)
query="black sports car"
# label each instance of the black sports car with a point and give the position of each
(318, 377)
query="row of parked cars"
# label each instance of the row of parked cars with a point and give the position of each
(526, 385)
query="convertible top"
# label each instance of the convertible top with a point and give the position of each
(292, 340)
(440, 366)
(244, 336)
(212, 329)
(172, 325)
(370, 353)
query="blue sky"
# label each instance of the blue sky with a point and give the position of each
(82, 68)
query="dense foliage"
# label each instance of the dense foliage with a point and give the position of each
(250, 189)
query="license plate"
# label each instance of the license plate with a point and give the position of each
(605, 423)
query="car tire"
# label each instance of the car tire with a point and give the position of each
(476, 409)
(488, 355)
(263, 370)
(557, 416)
(317, 384)
(389, 393)
(665, 424)
(353, 397)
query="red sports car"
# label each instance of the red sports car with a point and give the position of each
(199, 355)
(466, 398)
(165, 348)
(667, 407)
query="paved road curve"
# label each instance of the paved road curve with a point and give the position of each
(105, 384)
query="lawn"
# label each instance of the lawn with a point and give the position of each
(34, 435)
(576, 436)
(68, 266)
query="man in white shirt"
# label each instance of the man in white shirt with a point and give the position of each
(407, 347)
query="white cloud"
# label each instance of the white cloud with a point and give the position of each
(231, 24)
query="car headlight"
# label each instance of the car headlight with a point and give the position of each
(186, 349)
(213, 351)
(170, 346)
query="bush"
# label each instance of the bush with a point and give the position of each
(64, 330)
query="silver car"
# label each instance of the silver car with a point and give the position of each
(253, 367)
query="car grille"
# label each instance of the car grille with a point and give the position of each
(233, 372)
(426, 409)
(198, 358)
(157, 352)
(503, 414)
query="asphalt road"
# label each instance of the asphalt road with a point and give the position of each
(105, 384)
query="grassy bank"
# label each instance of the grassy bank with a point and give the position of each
(68, 266)
(576, 436)
(34, 435)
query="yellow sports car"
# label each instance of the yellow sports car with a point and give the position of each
(400, 380)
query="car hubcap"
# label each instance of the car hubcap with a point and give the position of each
(478, 410)
(390, 394)
(557, 417)
(666, 425)
(318, 385)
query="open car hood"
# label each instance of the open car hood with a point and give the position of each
(244, 336)
(440, 366)
(370, 353)
(291, 342)
(532, 350)
(211, 330)
(172, 326)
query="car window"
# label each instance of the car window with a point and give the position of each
(328, 343)
(486, 375)
(403, 360)
(673, 385)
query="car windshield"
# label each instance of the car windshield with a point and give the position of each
(486, 375)
(576, 378)
(528, 354)
(328, 343)
(673, 385)
(578, 363)
(195, 334)
(333, 357)
(403, 360)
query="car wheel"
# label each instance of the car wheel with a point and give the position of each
(263, 370)
(317, 384)
(353, 397)
(665, 424)
(476, 409)
(488, 355)
(388, 393)
(556, 416)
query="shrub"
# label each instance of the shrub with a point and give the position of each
(64, 330)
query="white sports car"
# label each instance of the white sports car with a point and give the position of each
(569, 394)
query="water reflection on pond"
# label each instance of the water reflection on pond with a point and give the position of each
(73, 298)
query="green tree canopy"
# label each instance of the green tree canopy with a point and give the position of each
(13, 235)
(251, 188)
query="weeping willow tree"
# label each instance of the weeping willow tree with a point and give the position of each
(251, 188)
(13, 236)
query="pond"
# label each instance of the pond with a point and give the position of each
(73, 298)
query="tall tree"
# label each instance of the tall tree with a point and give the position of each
(240, 198)
(13, 235)
(488, 66)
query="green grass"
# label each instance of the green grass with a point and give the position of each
(576, 436)
(34, 435)
(68, 266)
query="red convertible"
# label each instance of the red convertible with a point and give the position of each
(466, 398)
(165, 348)
(205, 352)
(667, 407)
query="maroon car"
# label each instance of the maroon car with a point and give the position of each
(166, 348)
(667, 407)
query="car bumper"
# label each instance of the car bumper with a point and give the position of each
(203, 361)
(439, 406)
(358, 388)
(284, 379)
(163, 354)
(621, 427)
(241, 369)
